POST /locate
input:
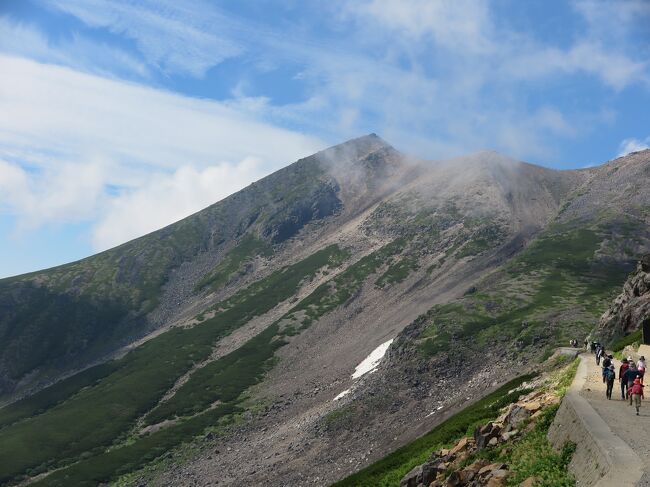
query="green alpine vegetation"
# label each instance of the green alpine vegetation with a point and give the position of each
(233, 262)
(555, 282)
(66, 317)
(134, 384)
(337, 291)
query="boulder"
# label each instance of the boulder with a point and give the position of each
(429, 472)
(413, 478)
(498, 478)
(492, 467)
(460, 458)
(453, 480)
(485, 433)
(507, 436)
(467, 475)
(533, 406)
(463, 445)
(477, 465)
(517, 415)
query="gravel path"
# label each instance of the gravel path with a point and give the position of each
(619, 416)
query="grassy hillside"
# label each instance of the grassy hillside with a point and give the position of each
(65, 317)
(61, 417)
(555, 290)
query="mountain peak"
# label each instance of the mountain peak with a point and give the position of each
(349, 153)
(365, 143)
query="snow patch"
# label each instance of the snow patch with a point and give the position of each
(434, 411)
(371, 362)
(343, 394)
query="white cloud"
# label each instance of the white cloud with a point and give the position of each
(67, 193)
(633, 145)
(78, 52)
(444, 70)
(614, 21)
(615, 69)
(457, 24)
(177, 37)
(67, 137)
(166, 198)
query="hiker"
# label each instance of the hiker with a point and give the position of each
(640, 366)
(636, 394)
(599, 354)
(630, 376)
(610, 376)
(606, 363)
(621, 378)
(593, 347)
(586, 344)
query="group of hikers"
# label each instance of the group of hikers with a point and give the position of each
(630, 375)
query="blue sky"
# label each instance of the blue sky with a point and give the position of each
(119, 117)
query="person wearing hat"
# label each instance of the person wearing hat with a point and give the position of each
(636, 394)
(621, 377)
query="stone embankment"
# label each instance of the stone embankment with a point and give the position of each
(445, 467)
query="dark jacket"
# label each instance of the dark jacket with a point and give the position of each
(630, 374)
(621, 371)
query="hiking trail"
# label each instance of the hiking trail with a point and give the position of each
(615, 441)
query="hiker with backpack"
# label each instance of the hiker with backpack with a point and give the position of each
(606, 364)
(621, 378)
(636, 394)
(610, 376)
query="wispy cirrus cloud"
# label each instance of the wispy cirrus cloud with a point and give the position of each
(176, 37)
(77, 51)
(67, 139)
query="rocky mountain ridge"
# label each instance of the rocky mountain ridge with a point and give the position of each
(246, 320)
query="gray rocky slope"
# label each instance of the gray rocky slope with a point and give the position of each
(491, 262)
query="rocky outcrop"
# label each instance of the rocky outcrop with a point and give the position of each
(443, 468)
(630, 308)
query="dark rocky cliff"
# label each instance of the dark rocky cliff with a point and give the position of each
(631, 308)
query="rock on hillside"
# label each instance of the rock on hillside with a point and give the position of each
(631, 308)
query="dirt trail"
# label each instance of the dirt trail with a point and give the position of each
(619, 415)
